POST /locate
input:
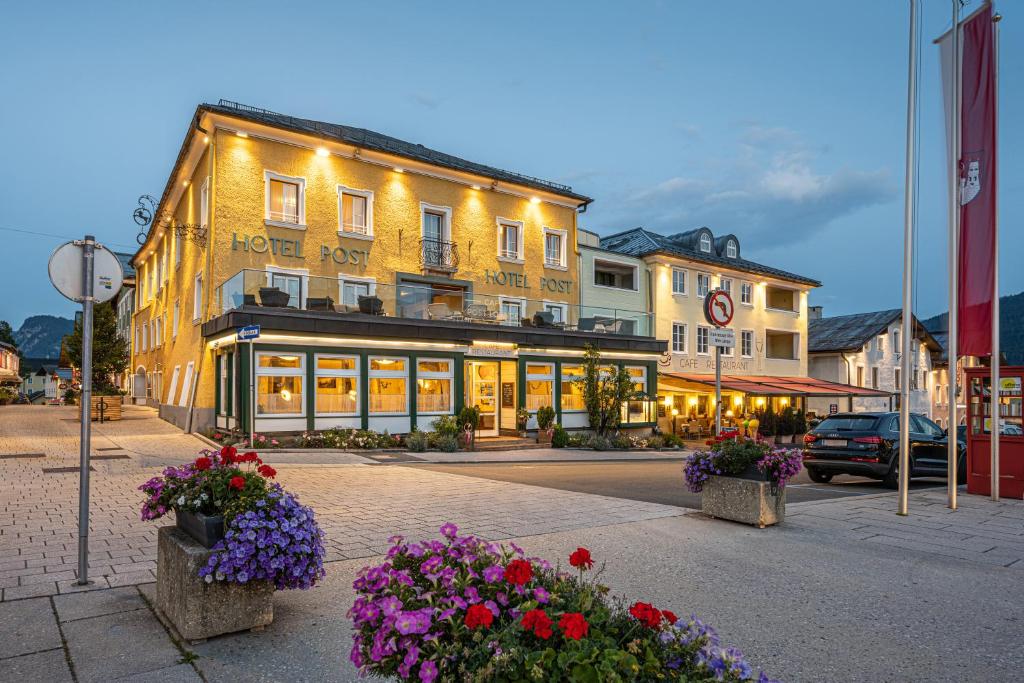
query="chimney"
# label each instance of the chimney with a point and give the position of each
(814, 312)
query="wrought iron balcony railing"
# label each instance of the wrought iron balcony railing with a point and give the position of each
(439, 254)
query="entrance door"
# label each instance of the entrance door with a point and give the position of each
(482, 392)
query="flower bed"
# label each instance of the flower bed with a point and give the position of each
(734, 456)
(269, 535)
(462, 609)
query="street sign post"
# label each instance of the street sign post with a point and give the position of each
(248, 332)
(251, 333)
(718, 310)
(87, 273)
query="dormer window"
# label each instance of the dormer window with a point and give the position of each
(730, 248)
(705, 243)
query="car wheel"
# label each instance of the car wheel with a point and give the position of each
(961, 470)
(819, 477)
(892, 479)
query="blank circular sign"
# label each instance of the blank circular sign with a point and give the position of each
(66, 269)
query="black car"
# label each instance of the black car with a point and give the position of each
(867, 444)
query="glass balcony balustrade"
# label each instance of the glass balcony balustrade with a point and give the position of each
(342, 296)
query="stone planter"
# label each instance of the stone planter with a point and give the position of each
(204, 530)
(743, 500)
(199, 610)
(544, 435)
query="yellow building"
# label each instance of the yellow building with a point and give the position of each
(390, 283)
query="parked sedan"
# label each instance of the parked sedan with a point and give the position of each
(867, 445)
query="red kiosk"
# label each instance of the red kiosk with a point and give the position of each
(979, 432)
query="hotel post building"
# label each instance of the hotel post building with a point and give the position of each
(391, 284)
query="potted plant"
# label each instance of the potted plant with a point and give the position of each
(545, 422)
(459, 608)
(522, 419)
(743, 479)
(238, 537)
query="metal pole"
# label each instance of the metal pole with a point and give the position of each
(908, 268)
(995, 290)
(718, 391)
(952, 445)
(88, 247)
(252, 394)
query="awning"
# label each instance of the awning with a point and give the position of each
(767, 385)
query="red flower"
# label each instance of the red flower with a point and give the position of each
(267, 471)
(670, 617)
(203, 463)
(646, 614)
(539, 622)
(581, 559)
(237, 483)
(518, 572)
(478, 615)
(227, 454)
(573, 625)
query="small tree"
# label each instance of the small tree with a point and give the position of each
(603, 393)
(7, 335)
(109, 349)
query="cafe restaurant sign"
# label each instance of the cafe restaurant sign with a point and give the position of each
(293, 248)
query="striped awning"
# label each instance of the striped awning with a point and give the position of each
(767, 385)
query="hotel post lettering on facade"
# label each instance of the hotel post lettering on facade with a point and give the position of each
(389, 290)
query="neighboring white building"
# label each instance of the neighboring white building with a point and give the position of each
(864, 350)
(42, 385)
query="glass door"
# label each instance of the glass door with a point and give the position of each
(482, 392)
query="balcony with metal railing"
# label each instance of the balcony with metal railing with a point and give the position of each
(255, 290)
(439, 255)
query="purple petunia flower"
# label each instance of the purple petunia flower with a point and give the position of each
(428, 671)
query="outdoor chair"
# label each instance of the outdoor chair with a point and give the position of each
(273, 297)
(371, 305)
(325, 303)
(543, 319)
(586, 324)
(526, 322)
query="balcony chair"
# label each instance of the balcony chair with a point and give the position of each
(273, 297)
(371, 305)
(543, 319)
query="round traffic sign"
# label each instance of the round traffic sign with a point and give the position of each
(718, 308)
(66, 269)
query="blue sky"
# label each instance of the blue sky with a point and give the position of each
(780, 122)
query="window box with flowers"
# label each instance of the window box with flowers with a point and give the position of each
(743, 480)
(238, 537)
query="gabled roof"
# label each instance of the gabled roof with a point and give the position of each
(852, 332)
(371, 140)
(643, 242)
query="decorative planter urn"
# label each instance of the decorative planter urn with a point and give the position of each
(198, 609)
(746, 500)
(204, 530)
(544, 435)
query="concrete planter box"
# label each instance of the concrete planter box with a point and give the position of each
(743, 500)
(199, 610)
(204, 530)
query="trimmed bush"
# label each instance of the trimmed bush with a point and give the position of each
(560, 439)
(416, 442)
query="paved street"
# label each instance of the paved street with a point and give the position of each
(844, 591)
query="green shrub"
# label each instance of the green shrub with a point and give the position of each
(622, 441)
(560, 439)
(448, 443)
(447, 425)
(579, 440)
(469, 415)
(545, 417)
(599, 443)
(656, 442)
(416, 442)
(672, 441)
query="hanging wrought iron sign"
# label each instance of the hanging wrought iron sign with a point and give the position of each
(145, 213)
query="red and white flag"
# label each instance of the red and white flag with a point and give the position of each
(976, 164)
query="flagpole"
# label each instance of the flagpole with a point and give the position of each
(995, 277)
(908, 267)
(952, 445)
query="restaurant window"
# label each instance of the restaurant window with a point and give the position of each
(703, 340)
(638, 378)
(679, 337)
(510, 239)
(388, 386)
(554, 248)
(337, 385)
(540, 382)
(434, 378)
(279, 384)
(678, 281)
(639, 408)
(747, 343)
(355, 208)
(285, 205)
(572, 392)
(703, 284)
(747, 293)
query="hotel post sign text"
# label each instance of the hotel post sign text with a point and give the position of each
(277, 246)
(510, 278)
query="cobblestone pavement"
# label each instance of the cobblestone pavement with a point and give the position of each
(358, 506)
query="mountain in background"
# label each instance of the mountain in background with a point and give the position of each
(39, 336)
(1011, 327)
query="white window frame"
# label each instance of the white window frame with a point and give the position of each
(548, 376)
(731, 249)
(705, 243)
(356, 280)
(707, 279)
(746, 293)
(355, 192)
(896, 348)
(562, 307)
(727, 287)
(569, 378)
(323, 372)
(632, 379)
(519, 256)
(197, 298)
(186, 384)
(502, 300)
(300, 200)
(279, 372)
(563, 240)
(684, 276)
(446, 224)
(707, 340)
(685, 337)
(301, 273)
(174, 385)
(372, 374)
(429, 374)
(176, 319)
(603, 259)
(742, 334)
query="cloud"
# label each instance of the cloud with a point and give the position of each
(426, 100)
(771, 190)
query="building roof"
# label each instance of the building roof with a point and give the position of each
(10, 347)
(368, 139)
(644, 242)
(852, 332)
